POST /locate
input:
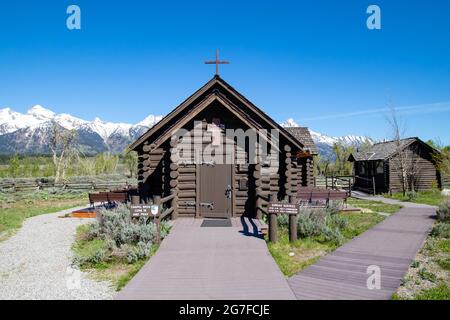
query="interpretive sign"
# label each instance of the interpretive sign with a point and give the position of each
(141, 210)
(279, 207)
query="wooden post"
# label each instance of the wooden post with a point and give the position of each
(135, 200)
(157, 201)
(174, 203)
(273, 223)
(293, 222)
(374, 190)
(258, 184)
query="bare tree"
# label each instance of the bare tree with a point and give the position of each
(61, 144)
(404, 161)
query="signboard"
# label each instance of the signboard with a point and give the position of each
(287, 208)
(154, 209)
(140, 210)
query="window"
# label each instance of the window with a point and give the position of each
(362, 170)
(380, 167)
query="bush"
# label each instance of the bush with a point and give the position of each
(321, 223)
(441, 230)
(122, 237)
(332, 235)
(283, 220)
(311, 223)
(338, 221)
(427, 275)
(443, 212)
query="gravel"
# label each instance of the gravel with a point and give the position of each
(35, 263)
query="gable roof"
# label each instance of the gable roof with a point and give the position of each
(303, 135)
(385, 150)
(213, 85)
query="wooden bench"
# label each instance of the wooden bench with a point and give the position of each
(319, 197)
(97, 197)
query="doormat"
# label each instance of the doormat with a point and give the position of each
(216, 223)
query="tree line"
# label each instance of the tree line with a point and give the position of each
(67, 160)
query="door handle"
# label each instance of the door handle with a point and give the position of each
(228, 192)
(209, 205)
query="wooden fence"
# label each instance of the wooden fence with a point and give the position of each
(9, 186)
(335, 182)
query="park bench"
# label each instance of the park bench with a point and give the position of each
(109, 198)
(97, 197)
(318, 197)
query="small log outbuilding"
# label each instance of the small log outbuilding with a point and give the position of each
(242, 172)
(387, 165)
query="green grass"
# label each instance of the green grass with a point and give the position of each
(17, 207)
(308, 250)
(375, 206)
(430, 197)
(429, 278)
(116, 271)
(441, 292)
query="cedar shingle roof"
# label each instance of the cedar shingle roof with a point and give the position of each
(303, 135)
(382, 150)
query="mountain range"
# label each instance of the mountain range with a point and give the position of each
(30, 132)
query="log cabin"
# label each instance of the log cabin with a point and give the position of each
(379, 169)
(225, 175)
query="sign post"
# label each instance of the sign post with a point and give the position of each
(276, 208)
(155, 212)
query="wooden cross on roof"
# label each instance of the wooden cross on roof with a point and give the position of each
(217, 62)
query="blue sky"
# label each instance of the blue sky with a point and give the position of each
(314, 61)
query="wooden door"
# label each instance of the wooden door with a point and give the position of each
(215, 191)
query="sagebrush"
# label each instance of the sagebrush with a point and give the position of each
(123, 238)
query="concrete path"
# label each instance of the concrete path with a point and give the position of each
(391, 245)
(196, 262)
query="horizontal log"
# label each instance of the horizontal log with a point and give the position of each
(186, 169)
(186, 194)
(187, 178)
(173, 183)
(186, 210)
(186, 186)
(173, 174)
(173, 166)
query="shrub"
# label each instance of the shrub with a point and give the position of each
(334, 207)
(122, 237)
(311, 223)
(443, 212)
(338, 221)
(283, 220)
(441, 230)
(411, 195)
(332, 235)
(427, 275)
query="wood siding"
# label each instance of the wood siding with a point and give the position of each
(426, 175)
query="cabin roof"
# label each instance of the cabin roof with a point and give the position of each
(219, 84)
(385, 150)
(303, 135)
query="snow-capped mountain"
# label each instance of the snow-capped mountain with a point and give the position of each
(30, 132)
(325, 143)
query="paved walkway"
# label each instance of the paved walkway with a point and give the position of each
(196, 262)
(391, 245)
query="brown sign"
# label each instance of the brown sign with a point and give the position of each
(140, 210)
(278, 207)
